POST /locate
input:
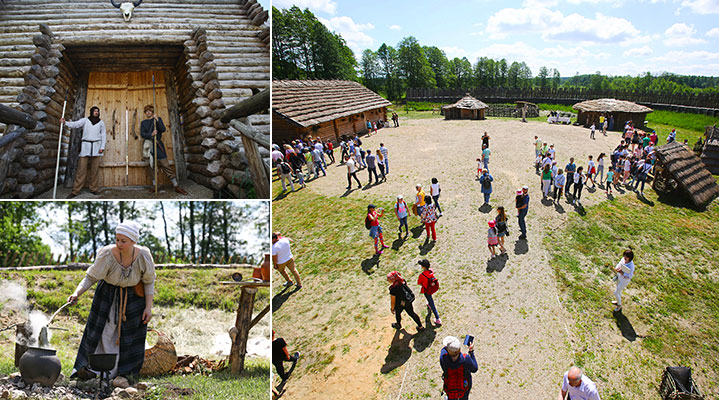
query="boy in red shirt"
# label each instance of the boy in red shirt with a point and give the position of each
(429, 286)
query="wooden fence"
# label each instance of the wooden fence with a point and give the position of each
(503, 110)
(28, 261)
(702, 103)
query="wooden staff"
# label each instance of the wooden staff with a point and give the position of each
(154, 125)
(127, 148)
(59, 144)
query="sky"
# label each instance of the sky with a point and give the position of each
(615, 37)
(50, 233)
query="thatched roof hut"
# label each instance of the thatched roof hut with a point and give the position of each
(467, 107)
(622, 111)
(710, 153)
(689, 172)
(327, 109)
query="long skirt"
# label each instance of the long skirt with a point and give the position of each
(133, 332)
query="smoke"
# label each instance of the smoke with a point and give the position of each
(13, 296)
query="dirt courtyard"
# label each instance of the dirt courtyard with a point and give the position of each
(511, 304)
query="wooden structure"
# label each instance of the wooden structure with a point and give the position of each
(244, 322)
(678, 167)
(465, 108)
(696, 103)
(206, 55)
(328, 109)
(710, 151)
(591, 110)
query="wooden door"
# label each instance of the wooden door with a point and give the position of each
(113, 93)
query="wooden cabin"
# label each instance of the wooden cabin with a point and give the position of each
(327, 109)
(205, 56)
(622, 111)
(678, 167)
(710, 151)
(467, 107)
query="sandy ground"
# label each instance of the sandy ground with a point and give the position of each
(194, 191)
(510, 304)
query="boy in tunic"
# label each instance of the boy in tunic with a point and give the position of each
(91, 151)
(149, 128)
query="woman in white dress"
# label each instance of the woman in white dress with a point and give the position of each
(91, 151)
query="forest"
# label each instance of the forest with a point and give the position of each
(303, 48)
(189, 231)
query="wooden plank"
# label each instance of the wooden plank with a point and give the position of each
(242, 324)
(255, 104)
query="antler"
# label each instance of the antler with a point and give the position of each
(113, 3)
(137, 3)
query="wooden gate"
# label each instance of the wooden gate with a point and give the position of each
(113, 93)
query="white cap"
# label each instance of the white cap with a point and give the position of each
(129, 229)
(451, 343)
(399, 197)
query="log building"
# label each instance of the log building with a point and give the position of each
(622, 111)
(326, 109)
(205, 56)
(467, 107)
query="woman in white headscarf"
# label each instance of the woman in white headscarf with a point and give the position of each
(121, 306)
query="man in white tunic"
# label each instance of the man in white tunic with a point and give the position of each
(92, 149)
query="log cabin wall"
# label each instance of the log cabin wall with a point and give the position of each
(230, 58)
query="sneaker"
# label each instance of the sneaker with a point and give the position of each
(384, 246)
(379, 252)
(299, 287)
(617, 308)
(614, 302)
(396, 325)
(348, 187)
(288, 284)
(420, 328)
(296, 355)
(438, 322)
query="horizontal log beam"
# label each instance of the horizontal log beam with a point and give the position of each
(255, 104)
(11, 116)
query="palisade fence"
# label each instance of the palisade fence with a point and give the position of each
(701, 103)
(23, 260)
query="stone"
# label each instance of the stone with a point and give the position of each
(21, 384)
(142, 385)
(36, 388)
(120, 382)
(18, 395)
(209, 142)
(5, 394)
(132, 391)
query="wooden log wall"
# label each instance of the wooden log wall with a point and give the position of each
(510, 111)
(225, 64)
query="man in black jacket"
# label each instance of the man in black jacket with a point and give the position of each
(153, 126)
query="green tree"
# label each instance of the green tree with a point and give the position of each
(413, 64)
(543, 77)
(389, 62)
(462, 71)
(371, 70)
(19, 224)
(556, 78)
(439, 64)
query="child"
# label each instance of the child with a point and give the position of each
(537, 163)
(375, 230)
(591, 134)
(429, 286)
(610, 180)
(559, 181)
(592, 170)
(479, 167)
(579, 180)
(600, 167)
(492, 240)
(401, 211)
(300, 178)
(546, 181)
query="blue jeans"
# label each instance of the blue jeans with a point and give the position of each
(371, 171)
(486, 197)
(430, 301)
(641, 178)
(522, 224)
(436, 203)
(486, 163)
(403, 222)
(318, 168)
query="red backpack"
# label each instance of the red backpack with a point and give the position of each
(432, 283)
(454, 382)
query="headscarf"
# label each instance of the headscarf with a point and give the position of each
(129, 229)
(396, 278)
(92, 116)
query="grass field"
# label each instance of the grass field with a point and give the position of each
(176, 290)
(670, 307)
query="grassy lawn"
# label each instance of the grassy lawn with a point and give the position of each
(671, 306)
(175, 290)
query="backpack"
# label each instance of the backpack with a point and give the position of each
(432, 284)
(407, 294)
(285, 168)
(367, 222)
(359, 142)
(454, 382)
(486, 183)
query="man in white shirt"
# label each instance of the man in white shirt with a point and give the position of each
(91, 151)
(577, 386)
(385, 154)
(351, 173)
(625, 272)
(282, 258)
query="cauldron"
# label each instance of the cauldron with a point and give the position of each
(39, 365)
(102, 362)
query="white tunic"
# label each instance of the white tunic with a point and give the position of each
(93, 137)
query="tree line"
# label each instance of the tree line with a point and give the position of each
(303, 48)
(197, 231)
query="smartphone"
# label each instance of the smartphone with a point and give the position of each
(468, 339)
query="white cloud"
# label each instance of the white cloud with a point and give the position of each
(702, 6)
(540, 3)
(326, 6)
(553, 25)
(714, 32)
(395, 28)
(352, 32)
(643, 51)
(681, 34)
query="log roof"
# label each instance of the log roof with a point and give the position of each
(611, 105)
(308, 103)
(689, 172)
(468, 103)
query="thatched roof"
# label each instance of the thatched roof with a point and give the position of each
(611, 105)
(689, 172)
(308, 103)
(468, 103)
(710, 152)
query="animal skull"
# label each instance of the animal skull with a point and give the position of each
(126, 8)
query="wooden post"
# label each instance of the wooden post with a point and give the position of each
(178, 142)
(242, 323)
(78, 111)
